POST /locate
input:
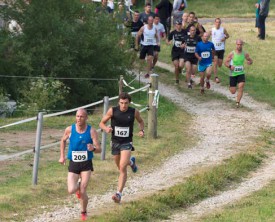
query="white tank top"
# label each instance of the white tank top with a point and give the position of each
(217, 36)
(149, 36)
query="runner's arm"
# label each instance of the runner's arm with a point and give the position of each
(138, 36)
(248, 59)
(227, 61)
(105, 119)
(96, 145)
(226, 35)
(63, 142)
(141, 123)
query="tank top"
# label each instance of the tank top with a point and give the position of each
(217, 36)
(238, 62)
(78, 145)
(122, 124)
(149, 36)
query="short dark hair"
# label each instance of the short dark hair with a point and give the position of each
(148, 4)
(124, 95)
(192, 13)
(156, 15)
(136, 11)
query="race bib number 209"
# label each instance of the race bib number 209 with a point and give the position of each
(79, 156)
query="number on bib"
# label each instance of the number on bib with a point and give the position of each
(238, 69)
(190, 49)
(134, 34)
(122, 131)
(177, 43)
(79, 156)
(149, 40)
(205, 55)
(218, 44)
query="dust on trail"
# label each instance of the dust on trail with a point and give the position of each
(223, 132)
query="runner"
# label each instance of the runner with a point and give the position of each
(147, 12)
(219, 35)
(190, 59)
(192, 21)
(83, 143)
(122, 123)
(149, 41)
(178, 9)
(177, 52)
(185, 21)
(235, 62)
(135, 26)
(161, 35)
(205, 51)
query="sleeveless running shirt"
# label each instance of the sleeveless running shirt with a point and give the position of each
(122, 124)
(149, 36)
(191, 44)
(238, 62)
(217, 36)
(78, 151)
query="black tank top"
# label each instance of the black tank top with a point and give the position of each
(122, 124)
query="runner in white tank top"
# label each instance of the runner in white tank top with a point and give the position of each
(219, 35)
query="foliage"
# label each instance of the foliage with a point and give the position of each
(65, 39)
(43, 94)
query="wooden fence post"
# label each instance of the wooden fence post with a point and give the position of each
(104, 134)
(120, 84)
(152, 113)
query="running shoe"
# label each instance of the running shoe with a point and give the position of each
(83, 216)
(208, 85)
(134, 166)
(237, 105)
(192, 81)
(147, 76)
(116, 198)
(217, 80)
(189, 86)
(202, 91)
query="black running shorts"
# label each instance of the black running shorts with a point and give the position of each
(146, 50)
(219, 54)
(193, 61)
(78, 167)
(234, 80)
(177, 55)
(117, 147)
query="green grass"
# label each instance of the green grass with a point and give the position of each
(197, 187)
(24, 200)
(260, 76)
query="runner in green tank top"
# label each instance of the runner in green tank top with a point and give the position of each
(235, 62)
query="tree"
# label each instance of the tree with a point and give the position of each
(64, 39)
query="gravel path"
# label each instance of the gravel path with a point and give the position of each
(223, 132)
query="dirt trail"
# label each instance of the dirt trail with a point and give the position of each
(223, 132)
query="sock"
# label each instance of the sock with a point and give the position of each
(120, 194)
(131, 163)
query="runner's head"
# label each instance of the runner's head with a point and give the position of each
(150, 20)
(239, 45)
(178, 25)
(192, 31)
(147, 7)
(205, 37)
(156, 19)
(185, 17)
(191, 17)
(218, 23)
(124, 100)
(81, 117)
(136, 16)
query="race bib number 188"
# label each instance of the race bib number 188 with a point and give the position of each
(121, 131)
(79, 156)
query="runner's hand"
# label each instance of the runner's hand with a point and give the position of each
(62, 160)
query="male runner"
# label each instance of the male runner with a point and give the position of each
(136, 24)
(235, 63)
(177, 52)
(147, 12)
(219, 35)
(83, 143)
(192, 21)
(122, 124)
(205, 52)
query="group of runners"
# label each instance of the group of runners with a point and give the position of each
(192, 51)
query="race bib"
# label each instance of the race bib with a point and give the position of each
(190, 49)
(238, 69)
(149, 40)
(122, 131)
(218, 44)
(79, 156)
(205, 55)
(177, 43)
(134, 34)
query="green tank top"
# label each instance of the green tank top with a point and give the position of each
(238, 62)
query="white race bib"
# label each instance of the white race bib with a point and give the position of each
(177, 43)
(79, 156)
(190, 49)
(205, 55)
(122, 131)
(238, 69)
(218, 44)
(149, 40)
(134, 34)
